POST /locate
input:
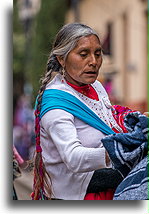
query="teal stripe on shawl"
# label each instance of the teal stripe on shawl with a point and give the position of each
(58, 99)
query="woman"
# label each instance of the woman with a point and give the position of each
(73, 113)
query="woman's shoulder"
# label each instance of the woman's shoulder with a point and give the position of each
(60, 84)
(54, 83)
(99, 88)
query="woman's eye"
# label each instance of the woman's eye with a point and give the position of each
(98, 54)
(83, 54)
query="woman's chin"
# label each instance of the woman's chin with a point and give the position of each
(90, 81)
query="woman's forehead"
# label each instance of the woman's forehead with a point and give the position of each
(91, 40)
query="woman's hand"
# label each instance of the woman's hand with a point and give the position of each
(146, 114)
(107, 158)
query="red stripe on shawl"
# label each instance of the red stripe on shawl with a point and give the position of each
(119, 112)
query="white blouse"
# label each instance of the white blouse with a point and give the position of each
(72, 149)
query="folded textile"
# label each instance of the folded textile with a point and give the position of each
(128, 153)
(135, 185)
(128, 149)
(104, 179)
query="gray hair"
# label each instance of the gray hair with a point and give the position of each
(66, 39)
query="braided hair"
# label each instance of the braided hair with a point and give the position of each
(66, 39)
(41, 176)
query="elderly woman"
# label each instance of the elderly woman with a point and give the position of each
(73, 113)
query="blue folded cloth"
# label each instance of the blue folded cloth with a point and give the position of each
(128, 149)
(127, 152)
(135, 185)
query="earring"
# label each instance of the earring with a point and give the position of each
(63, 74)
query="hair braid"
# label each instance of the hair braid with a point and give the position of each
(53, 66)
(40, 174)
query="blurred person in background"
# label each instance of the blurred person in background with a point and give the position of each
(18, 163)
(23, 127)
(73, 115)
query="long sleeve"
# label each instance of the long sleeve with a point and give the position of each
(59, 124)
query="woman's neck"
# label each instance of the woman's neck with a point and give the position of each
(73, 81)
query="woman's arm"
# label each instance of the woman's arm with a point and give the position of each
(59, 124)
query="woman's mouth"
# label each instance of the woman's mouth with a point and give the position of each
(91, 72)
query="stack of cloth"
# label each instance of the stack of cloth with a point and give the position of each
(128, 153)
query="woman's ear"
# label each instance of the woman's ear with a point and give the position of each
(61, 60)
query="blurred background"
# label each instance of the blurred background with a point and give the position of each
(122, 27)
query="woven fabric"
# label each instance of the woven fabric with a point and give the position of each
(57, 99)
(127, 151)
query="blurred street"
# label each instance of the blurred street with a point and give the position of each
(23, 185)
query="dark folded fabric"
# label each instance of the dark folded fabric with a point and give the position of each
(129, 155)
(104, 179)
(126, 150)
(135, 185)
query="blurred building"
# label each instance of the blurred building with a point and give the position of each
(122, 26)
(27, 10)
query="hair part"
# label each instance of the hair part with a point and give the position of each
(68, 36)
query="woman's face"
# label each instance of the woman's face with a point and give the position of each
(83, 62)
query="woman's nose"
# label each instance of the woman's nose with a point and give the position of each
(93, 61)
